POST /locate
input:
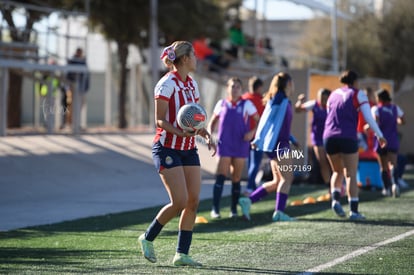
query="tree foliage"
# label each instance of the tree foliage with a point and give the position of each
(315, 43)
(364, 47)
(396, 33)
(375, 46)
(21, 34)
(188, 19)
(127, 22)
(123, 22)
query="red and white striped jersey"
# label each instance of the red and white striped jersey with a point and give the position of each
(178, 93)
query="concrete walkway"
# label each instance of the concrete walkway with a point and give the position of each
(52, 178)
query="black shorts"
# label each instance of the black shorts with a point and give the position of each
(384, 151)
(340, 145)
(165, 158)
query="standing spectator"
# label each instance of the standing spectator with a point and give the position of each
(175, 154)
(318, 108)
(388, 115)
(42, 88)
(231, 115)
(255, 95)
(237, 39)
(79, 82)
(273, 136)
(340, 140)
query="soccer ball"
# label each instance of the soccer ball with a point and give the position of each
(191, 117)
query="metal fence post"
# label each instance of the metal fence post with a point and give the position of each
(3, 100)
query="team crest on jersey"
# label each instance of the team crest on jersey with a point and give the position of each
(168, 160)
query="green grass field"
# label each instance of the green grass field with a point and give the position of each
(107, 244)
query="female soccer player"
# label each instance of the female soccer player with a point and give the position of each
(231, 115)
(388, 115)
(175, 154)
(318, 108)
(341, 143)
(272, 137)
(255, 95)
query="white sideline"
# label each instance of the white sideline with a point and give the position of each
(356, 253)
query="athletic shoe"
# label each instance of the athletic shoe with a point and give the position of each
(336, 206)
(355, 216)
(147, 249)
(386, 192)
(403, 184)
(247, 192)
(245, 204)
(233, 215)
(395, 190)
(215, 215)
(279, 216)
(181, 259)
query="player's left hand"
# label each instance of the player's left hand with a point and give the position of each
(249, 135)
(212, 147)
(210, 143)
(382, 141)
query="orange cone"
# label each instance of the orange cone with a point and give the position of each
(200, 219)
(326, 197)
(296, 203)
(309, 200)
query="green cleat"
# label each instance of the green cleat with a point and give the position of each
(147, 249)
(279, 216)
(245, 204)
(181, 259)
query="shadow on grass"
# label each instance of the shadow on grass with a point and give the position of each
(55, 261)
(45, 256)
(261, 216)
(246, 270)
(138, 220)
(397, 223)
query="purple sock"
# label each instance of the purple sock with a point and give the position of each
(281, 199)
(258, 194)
